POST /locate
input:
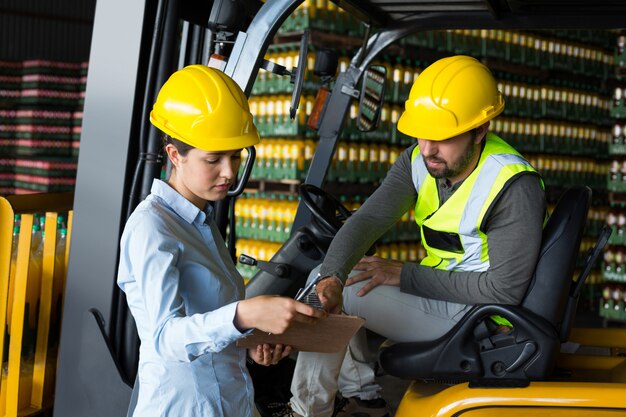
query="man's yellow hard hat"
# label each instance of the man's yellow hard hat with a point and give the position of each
(206, 109)
(451, 96)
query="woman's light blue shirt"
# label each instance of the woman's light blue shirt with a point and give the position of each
(182, 289)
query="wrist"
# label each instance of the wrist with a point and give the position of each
(330, 282)
(331, 278)
(241, 319)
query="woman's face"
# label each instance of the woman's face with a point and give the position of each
(202, 176)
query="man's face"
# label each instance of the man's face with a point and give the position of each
(453, 158)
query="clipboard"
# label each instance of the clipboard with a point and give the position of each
(327, 335)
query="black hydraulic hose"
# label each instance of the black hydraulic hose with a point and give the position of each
(221, 210)
(165, 67)
(144, 126)
(197, 42)
(232, 229)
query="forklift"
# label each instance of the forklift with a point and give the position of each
(137, 45)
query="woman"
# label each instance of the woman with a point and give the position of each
(181, 285)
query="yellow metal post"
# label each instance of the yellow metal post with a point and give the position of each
(27, 383)
(17, 319)
(45, 308)
(6, 239)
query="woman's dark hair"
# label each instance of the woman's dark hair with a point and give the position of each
(182, 147)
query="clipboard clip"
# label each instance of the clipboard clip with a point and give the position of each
(308, 294)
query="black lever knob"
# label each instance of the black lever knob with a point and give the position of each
(247, 260)
(275, 268)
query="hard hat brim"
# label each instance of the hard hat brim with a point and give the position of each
(217, 145)
(431, 132)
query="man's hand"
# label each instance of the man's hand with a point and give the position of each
(273, 314)
(379, 272)
(266, 354)
(330, 293)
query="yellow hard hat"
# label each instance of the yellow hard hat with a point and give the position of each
(206, 109)
(451, 96)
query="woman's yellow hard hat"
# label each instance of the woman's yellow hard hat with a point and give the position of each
(206, 109)
(451, 96)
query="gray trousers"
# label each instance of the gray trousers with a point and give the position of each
(395, 315)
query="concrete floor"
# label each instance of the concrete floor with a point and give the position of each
(393, 389)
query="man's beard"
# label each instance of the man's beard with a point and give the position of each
(456, 168)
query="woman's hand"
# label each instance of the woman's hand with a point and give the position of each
(267, 354)
(273, 314)
(379, 272)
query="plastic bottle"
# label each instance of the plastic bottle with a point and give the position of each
(394, 152)
(309, 151)
(278, 222)
(34, 273)
(268, 162)
(284, 160)
(407, 81)
(374, 162)
(397, 78)
(296, 158)
(322, 12)
(341, 160)
(363, 170)
(12, 269)
(286, 216)
(383, 160)
(617, 97)
(60, 270)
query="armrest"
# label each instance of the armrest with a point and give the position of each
(461, 355)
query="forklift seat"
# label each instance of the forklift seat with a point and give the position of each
(472, 351)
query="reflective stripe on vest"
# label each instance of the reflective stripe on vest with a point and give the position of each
(461, 216)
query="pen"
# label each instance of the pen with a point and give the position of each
(308, 294)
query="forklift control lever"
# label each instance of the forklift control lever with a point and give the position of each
(274, 268)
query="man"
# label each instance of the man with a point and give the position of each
(480, 207)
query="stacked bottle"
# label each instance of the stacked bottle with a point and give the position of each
(401, 251)
(548, 52)
(613, 302)
(265, 216)
(283, 158)
(33, 288)
(359, 162)
(614, 265)
(565, 138)
(567, 171)
(323, 15)
(539, 101)
(272, 115)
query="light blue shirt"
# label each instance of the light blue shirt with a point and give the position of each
(182, 289)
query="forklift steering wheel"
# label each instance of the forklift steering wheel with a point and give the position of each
(329, 219)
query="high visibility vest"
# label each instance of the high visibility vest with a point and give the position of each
(452, 233)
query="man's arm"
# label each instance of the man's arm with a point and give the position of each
(514, 230)
(380, 211)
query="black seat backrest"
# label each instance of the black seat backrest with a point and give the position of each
(549, 289)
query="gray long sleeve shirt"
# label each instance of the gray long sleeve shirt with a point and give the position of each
(513, 227)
